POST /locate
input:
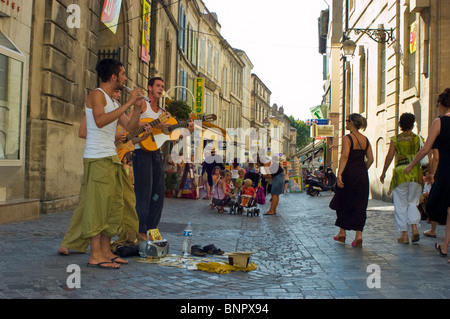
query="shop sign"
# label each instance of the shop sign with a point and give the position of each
(12, 4)
(199, 96)
(316, 112)
(324, 130)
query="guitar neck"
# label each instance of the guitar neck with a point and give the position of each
(175, 126)
(182, 124)
(142, 129)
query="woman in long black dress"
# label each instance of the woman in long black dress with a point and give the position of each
(352, 191)
(438, 203)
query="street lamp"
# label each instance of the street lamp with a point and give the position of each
(348, 46)
(266, 122)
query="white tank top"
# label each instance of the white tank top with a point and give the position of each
(100, 141)
(149, 114)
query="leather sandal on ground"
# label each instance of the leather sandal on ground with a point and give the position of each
(427, 233)
(197, 250)
(439, 249)
(415, 236)
(211, 249)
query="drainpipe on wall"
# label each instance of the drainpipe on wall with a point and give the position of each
(344, 73)
(397, 63)
(178, 49)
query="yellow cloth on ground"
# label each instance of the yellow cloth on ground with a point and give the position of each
(224, 268)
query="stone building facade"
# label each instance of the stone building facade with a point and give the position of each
(58, 43)
(16, 19)
(62, 73)
(383, 80)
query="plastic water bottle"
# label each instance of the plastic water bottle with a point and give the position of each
(187, 240)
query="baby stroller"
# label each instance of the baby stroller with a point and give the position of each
(250, 207)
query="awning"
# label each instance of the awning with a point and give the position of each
(307, 149)
(315, 153)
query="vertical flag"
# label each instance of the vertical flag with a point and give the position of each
(199, 96)
(145, 44)
(111, 13)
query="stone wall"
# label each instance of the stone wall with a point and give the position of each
(62, 74)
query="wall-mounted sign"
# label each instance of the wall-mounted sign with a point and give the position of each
(8, 7)
(199, 95)
(324, 130)
(310, 122)
(316, 112)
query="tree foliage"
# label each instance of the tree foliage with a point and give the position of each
(303, 132)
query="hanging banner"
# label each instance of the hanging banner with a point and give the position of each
(413, 38)
(199, 95)
(111, 13)
(145, 44)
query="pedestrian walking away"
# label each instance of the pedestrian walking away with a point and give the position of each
(406, 188)
(352, 192)
(438, 203)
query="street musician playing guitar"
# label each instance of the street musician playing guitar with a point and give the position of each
(148, 166)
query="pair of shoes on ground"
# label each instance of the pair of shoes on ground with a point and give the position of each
(415, 237)
(197, 250)
(355, 243)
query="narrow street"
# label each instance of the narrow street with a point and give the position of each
(294, 251)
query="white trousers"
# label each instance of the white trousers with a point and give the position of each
(406, 197)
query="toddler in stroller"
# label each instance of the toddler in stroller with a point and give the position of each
(246, 199)
(222, 195)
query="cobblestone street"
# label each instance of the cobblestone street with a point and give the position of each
(295, 254)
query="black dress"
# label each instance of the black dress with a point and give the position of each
(351, 201)
(439, 198)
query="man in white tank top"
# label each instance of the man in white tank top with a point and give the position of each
(101, 197)
(149, 185)
(148, 167)
(72, 239)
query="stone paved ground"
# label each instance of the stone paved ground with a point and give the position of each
(294, 251)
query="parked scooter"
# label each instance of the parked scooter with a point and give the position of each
(315, 185)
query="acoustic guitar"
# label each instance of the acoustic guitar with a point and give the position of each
(127, 145)
(170, 133)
